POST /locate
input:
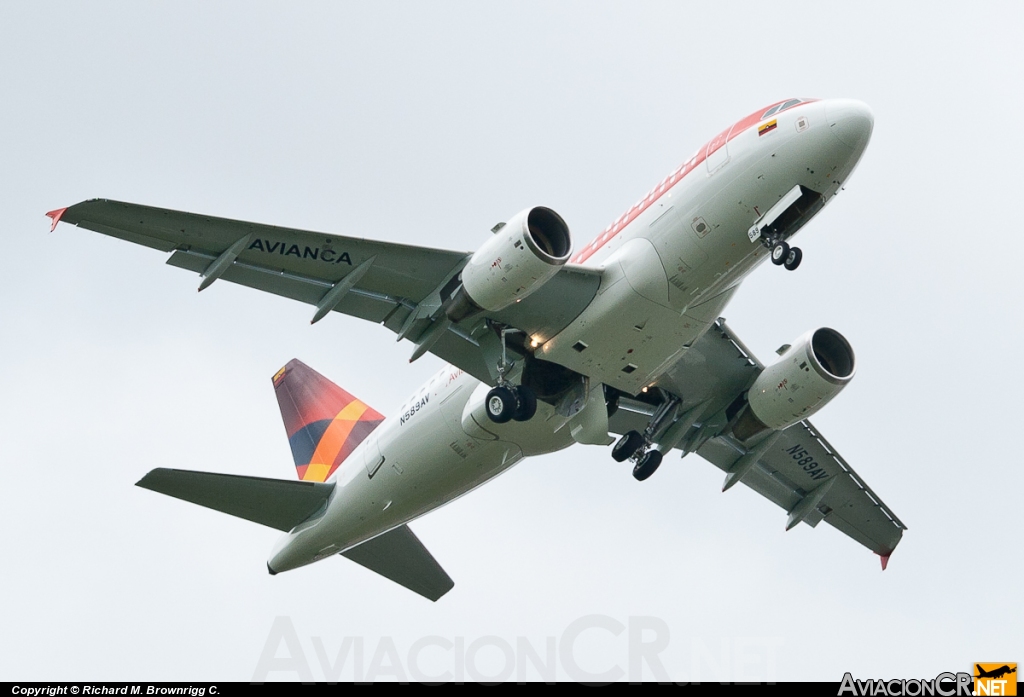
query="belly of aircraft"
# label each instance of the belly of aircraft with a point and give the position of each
(429, 460)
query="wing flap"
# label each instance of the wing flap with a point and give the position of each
(275, 503)
(399, 556)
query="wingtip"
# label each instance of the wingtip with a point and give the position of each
(55, 216)
(885, 560)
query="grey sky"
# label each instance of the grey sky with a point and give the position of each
(427, 124)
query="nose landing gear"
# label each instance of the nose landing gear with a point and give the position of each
(784, 255)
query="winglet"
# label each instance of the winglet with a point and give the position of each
(55, 216)
(885, 560)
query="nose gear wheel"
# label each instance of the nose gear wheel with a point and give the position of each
(793, 259)
(784, 255)
(780, 251)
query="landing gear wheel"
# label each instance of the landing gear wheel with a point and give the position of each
(501, 404)
(630, 442)
(780, 252)
(526, 403)
(647, 465)
(793, 259)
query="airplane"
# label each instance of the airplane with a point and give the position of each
(546, 349)
(995, 673)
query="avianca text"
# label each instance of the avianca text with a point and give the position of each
(286, 250)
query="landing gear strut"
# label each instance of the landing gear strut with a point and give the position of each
(636, 446)
(508, 402)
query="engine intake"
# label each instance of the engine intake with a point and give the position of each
(523, 255)
(807, 376)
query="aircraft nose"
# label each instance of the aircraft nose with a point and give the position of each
(851, 121)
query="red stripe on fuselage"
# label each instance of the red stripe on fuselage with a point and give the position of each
(671, 180)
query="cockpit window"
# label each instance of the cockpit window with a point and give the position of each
(780, 107)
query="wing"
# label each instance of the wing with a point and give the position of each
(399, 286)
(797, 468)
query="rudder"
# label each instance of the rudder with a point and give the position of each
(324, 423)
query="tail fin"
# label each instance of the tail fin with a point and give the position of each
(324, 422)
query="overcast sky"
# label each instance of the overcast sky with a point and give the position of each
(426, 124)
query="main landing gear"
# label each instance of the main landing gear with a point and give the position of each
(636, 446)
(784, 255)
(508, 402)
(633, 446)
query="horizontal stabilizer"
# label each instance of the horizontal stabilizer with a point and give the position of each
(276, 503)
(401, 557)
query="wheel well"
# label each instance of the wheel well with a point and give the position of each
(549, 381)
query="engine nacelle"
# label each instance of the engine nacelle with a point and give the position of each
(806, 378)
(521, 257)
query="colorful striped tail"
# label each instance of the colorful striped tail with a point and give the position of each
(324, 422)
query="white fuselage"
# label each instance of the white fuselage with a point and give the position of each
(669, 265)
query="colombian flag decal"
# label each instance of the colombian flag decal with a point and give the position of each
(767, 127)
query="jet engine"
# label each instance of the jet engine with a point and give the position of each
(808, 375)
(523, 255)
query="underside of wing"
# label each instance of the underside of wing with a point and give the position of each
(399, 286)
(806, 476)
(796, 468)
